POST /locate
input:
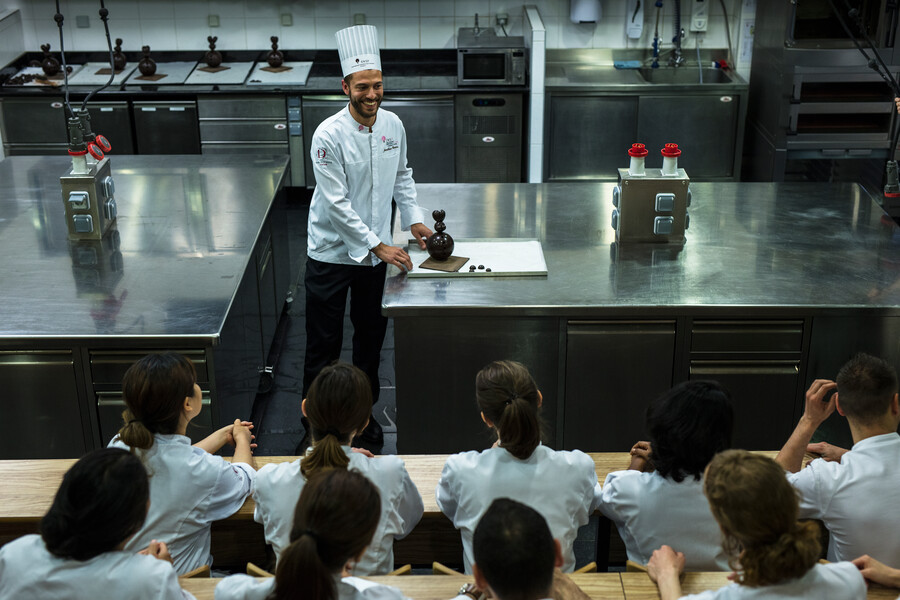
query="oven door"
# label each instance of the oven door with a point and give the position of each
(483, 67)
(814, 24)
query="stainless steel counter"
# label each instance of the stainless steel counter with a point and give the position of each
(758, 246)
(776, 285)
(186, 228)
(197, 263)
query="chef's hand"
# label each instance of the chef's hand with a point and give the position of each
(421, 233)
(897, 102)
(393, 255)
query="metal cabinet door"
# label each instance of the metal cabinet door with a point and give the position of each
(704, 127)
(588, 136)
(315, 110)
(36, 123)
(613, 370)
(42, 416)
(166, 128)
(429, 136)
(113, 120)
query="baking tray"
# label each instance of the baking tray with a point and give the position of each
(506, 257)
(296, 76)
(175, 73)
(233, 76)
(44, 82)
(88, 74)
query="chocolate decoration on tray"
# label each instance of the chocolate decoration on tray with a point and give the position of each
(147, 66)
(50, 65)
(213, 58)
(119, 60)
(275, 57)
(439, 244)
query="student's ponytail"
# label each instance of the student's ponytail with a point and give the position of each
(335, 519)
(508, 397)
(155, 389)
(757, 509)
(339, 403)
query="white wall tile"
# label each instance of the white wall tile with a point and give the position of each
(437, 32)
(552, 25)
(468, 9)
(156, 9)
(332, 8)
(91, 38)
(159, 34)
(191, 34)
(235, 9)
(551, 8)
(260, 9)
(127, 29)
(260, 30)
(192, 9)
(232, 29)
(302, 34)
(401, 32)
(326, 27)
(401, 8)
(370, 8)
(436, 8)
(47, 32)
(43, 9)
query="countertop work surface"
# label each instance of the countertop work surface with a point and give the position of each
(766, 248)
(185, 231)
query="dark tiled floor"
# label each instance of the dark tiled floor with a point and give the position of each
(276, 412)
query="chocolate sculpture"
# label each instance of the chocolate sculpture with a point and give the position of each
(213, 58)
(147, 65)
(50, 65)
(119, 60)
(275, 57)
(439, 244)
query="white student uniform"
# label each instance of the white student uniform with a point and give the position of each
(189, 489)
(650, 510)
(277, 489)
(28, 570)
(857, 499)
(244, 587)
(561, 485)
(835, 581)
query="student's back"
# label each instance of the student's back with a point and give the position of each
(337, 408)
(688, 425)
(561, 485)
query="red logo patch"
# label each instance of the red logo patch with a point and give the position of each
(320, 153)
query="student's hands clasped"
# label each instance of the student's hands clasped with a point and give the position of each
(239, 430)
(158, 550)
(640, 457)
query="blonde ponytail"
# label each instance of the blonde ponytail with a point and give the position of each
(789, 557)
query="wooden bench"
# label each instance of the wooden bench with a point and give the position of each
(30, 485)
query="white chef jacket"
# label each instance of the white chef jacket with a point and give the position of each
(28, 570)
(650, 510)
(561, 485)
(857, 499)
(835, 581)
(277, 489)
(244, 587)
(357, 172)
(189, 489)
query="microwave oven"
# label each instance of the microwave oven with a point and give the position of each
(483, 58)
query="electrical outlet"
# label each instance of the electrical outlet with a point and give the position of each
(213, 20)
(699, 15)
(359, 19)
(502, 19)
(82, 21)
(287, 19)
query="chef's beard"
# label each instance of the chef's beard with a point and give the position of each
(362, 109)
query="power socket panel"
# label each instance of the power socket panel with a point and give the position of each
(699, 15)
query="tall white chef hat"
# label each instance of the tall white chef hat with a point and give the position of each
(358, 48)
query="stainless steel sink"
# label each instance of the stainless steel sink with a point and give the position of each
(684, 75)
(601, 75)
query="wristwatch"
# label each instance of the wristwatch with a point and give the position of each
(470, 590)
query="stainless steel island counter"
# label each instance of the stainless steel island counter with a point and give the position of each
(197, 262)
(777, 284)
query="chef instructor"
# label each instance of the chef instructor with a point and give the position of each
(359, 160)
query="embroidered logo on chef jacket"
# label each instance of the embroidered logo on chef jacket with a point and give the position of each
(321, 153)
(389, 143)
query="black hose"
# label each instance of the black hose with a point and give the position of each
(104, 16)
(62, 54)
(728, 34)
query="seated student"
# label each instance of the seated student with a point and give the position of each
(516, 557)
(334, 520)
(338, 407)
(857, 497)
(688, 425)
(100, 504)
(189, 487)
(773, 554)
(560, 485)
